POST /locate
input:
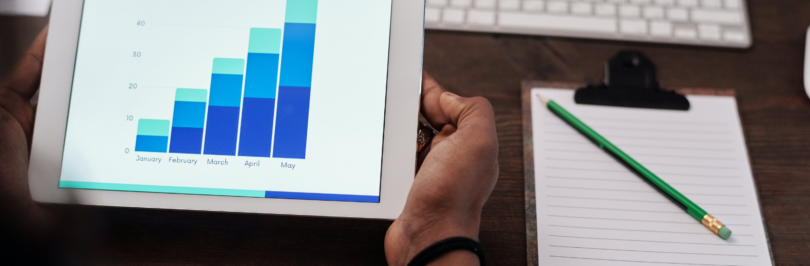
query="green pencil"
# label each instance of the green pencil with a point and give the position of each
(690, 207)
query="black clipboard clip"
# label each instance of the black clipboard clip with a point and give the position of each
(631, 81)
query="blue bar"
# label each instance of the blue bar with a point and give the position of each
(297, 56)
(261, 76)
(226, 90)
(318, 196)
(294, 91)
(292, 122)
(187, 127)
(224, 102)
(151, 143)
(220, 134)
(257, 127)
(186, 140)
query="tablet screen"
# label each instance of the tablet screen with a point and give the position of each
(248, 98)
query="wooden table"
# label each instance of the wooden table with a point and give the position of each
(774, 109)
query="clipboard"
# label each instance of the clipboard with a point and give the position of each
(528, 140)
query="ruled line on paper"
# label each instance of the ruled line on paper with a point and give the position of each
(660, 252)
(592, 210)
(634, 220)
(641, 261)
(652, 241)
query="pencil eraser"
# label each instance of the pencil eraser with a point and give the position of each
(724, 233)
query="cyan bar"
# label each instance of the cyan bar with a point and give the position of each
(301, 11)
(152, 127)
(191, 95)
(264, 41)
(229, 66)
(163, 189)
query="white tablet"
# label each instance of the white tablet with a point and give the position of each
(301, 107)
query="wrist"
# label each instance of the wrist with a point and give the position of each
(409, 236)
(458, 257)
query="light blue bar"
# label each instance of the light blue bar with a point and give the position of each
(163, 189)
(229, 66)
(301, 11)
(264, 41)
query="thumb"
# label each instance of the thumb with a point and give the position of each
(25, 78)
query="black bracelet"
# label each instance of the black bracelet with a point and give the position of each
(451, 244)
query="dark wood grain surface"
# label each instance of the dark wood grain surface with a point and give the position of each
(774, 109)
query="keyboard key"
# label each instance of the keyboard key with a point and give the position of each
(617, 1)
(709, 32)
(483, 18)
(641, 2)
(557, 7)
(634, 27)
(712, 3)
(734, 36)
(653, 12)
(677, 14)
(436, 2)
(509, 4)
(432, 14)
(453, 16)
(485, 4)
(461, 3)
(557, 22)
(685, 33)
(733, 4)
(630, 11)
(665, 2)
(533, 5)
(581, 8)
(688, 3)
(661, 29)
(606, 10)
(717, 16)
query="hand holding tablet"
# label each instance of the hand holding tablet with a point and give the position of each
(75, 157)
(450, 189)
(241, 106)
(455, 179)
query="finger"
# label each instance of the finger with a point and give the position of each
(25, 78)
(431, 105)
(474, 119)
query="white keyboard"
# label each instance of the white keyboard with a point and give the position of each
(696, 22)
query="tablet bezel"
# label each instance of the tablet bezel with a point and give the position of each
(402, 103)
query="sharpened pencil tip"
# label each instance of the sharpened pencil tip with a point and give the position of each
(543, 99)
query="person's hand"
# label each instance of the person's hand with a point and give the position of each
(454, 181)
(20, 213)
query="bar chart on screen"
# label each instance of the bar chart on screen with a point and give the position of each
(220, 131)
(236, 98)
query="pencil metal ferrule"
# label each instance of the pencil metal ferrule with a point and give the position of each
(712, 223)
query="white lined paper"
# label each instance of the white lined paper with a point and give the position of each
(591, 210)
